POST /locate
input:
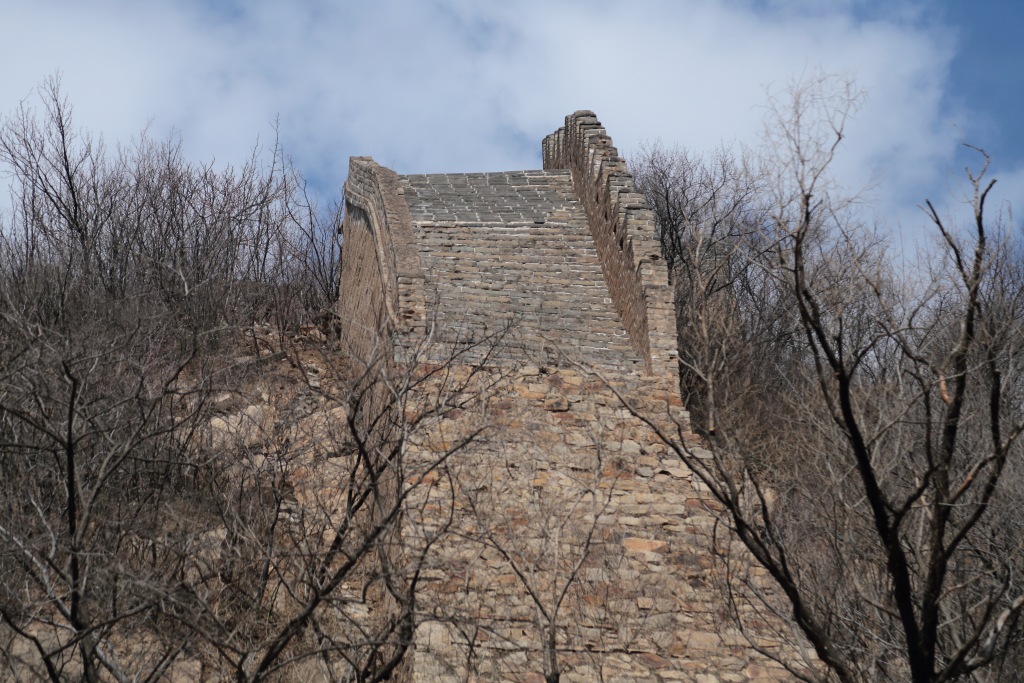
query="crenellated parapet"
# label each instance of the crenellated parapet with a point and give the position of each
(623, 228)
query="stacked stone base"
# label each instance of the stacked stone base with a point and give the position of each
(569, 515)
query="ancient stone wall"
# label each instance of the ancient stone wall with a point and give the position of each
(381, 301)
(572, 533)
(381, 288)
(623, 229)
(514, 249)
(562, 534)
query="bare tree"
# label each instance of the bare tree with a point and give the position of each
(145, 536)
(867, 468)
(210, 248)
(170, 505)
(91, 444)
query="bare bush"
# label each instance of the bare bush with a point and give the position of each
(207, 248)
(171, 506)
(863, 422)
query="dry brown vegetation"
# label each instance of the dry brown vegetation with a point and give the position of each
(864, 419)
(193, 483)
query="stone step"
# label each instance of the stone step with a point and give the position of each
(514, 249)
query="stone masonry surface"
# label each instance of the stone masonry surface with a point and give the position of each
(566, 492)
(622, 226)
(571, 529)
(514, 249)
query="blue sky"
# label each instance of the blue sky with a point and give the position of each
(466, 85)
(987, 77)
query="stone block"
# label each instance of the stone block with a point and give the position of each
(703, 641)
(635, 544)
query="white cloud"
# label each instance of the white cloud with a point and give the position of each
(461, 85)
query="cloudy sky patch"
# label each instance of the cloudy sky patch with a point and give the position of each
(463, 85)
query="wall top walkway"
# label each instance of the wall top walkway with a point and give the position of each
(565, 256)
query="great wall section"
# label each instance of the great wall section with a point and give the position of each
(574, 540)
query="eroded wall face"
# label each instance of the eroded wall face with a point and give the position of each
(362, 291)
(381, 291)
(568, 534)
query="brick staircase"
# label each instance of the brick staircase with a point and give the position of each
(514, 248)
